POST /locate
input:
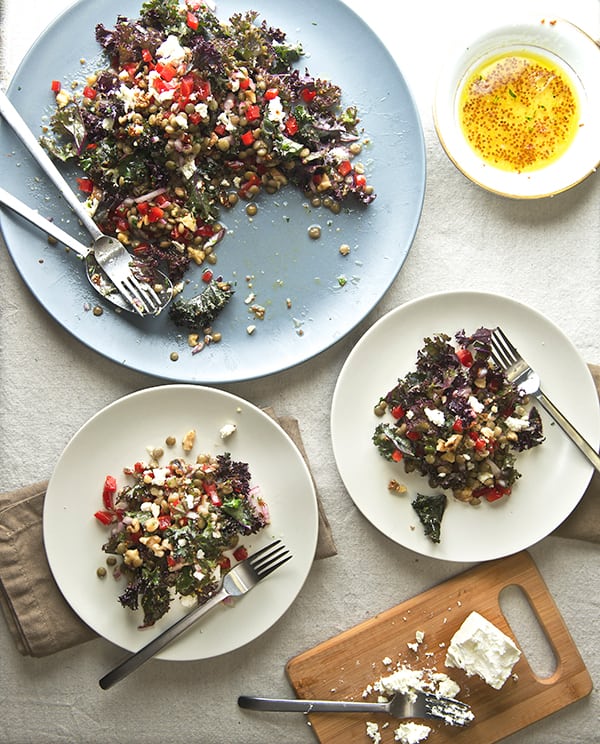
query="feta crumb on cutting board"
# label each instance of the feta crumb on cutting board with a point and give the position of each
(480, 648)
(411, 733)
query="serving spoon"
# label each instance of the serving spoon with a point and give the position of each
(114, 254)
(96, 277)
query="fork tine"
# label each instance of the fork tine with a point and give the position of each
(136, 291)
(132, 296)
(503, 352)
(266, 560)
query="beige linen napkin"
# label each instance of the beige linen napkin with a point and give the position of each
(37, 615)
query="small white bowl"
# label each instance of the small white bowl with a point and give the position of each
(577, 55)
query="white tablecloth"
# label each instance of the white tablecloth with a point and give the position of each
(546, 253)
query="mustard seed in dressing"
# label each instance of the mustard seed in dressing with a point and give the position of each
(519, 111)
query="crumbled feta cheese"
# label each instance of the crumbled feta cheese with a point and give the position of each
(517, 424)
(159, 476)
(171, 50)
(411, 733)
(275, 110)
(435, 416)
(373, 732)
(227, 430)
(480, 648)
(476, 405)
(387, 661)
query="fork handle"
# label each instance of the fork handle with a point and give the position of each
(38, 220)
(20, 128)
(133, 662)
(308, 706)
(572, 432)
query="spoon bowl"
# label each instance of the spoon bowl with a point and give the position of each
(95, 275)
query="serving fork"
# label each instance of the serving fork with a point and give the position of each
(416, 705)
(518, 372)
(109, 252)
(243, 577)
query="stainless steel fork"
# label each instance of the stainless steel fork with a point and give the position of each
(518, 372)
(241, 579)
(415, 705)
(109, 252)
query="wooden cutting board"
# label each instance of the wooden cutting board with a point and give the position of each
(342, 667)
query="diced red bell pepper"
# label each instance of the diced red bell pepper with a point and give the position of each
(360, 181)
(247, 138)
(465, 357)
(191, 20)
(291, 125)
(252, 112)
(155, 214)
(458, 426)
(55, 86)
(109, 490)
(164, 521)
(492, 493)
(186, 87)
(271, 93)
(207, 275)
(240, 554)
(167, 72)
(414, 436)
(398, 412)
(104, 517)
(225, 563)
(344, 168)
(210, 489)
(244, 83)
(397, 455)
(90, 92)
(308, 94)
(86, 185)
(146, 55)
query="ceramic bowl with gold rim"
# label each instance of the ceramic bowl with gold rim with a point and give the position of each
(518, 110)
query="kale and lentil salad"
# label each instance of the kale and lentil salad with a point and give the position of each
(176, 528)
(193, 114)
(458, 422)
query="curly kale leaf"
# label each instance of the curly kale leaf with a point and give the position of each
(200, 311)
(124, 43)
(430, 510)
(69, 133)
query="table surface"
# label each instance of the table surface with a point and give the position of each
(467, 240)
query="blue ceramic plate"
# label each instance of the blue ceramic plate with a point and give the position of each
(273, 248)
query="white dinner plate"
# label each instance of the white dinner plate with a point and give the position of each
(118, 436)
(561, 43)
(554, 475)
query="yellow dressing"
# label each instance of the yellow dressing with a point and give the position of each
(519, 111)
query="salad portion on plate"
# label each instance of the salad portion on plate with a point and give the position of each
(475, 492)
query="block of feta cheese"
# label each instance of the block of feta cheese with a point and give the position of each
(479, 647)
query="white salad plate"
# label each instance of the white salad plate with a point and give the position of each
(555, 475)
(313, 295)
(561, 43)
(118, 436)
